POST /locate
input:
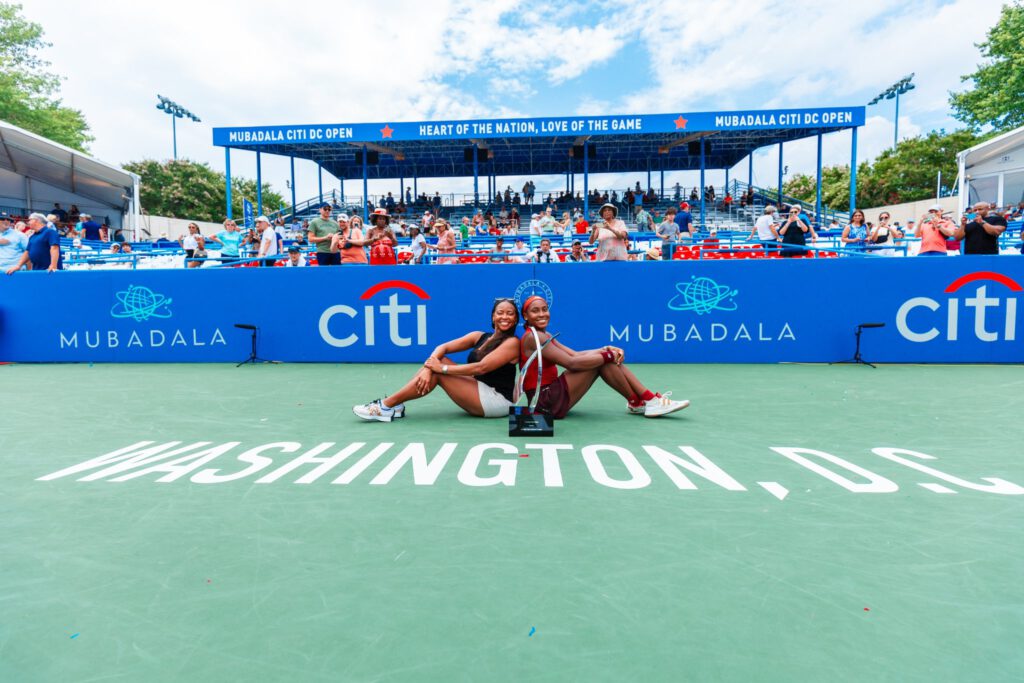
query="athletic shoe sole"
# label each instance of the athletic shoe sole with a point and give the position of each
(677, 406)
(372, 418)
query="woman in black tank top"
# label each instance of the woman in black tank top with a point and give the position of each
(491, 362)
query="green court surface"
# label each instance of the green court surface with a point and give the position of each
(743, 563)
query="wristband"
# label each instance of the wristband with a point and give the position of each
(608, 356)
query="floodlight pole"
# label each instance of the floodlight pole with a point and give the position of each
(817, 189)
(703, 193)
(366, 189)
(853, 171)
(780, 176)
(259, 186)
(294, 212)
(174, 134)
(896, 122)
(227, 180)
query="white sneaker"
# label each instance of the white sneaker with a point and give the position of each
(376, 410)
(663, 405)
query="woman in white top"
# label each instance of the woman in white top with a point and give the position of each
(610, 234)
(883, 233)
(190, 242)
(766, 228)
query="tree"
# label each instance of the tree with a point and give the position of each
(995, 99)
(29, 94)
(194, 191)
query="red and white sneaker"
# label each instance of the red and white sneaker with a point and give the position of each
(635, 408)
(663, 405)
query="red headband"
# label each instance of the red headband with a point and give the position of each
(529, 300)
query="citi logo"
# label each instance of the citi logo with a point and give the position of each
(1000, 324)
(393, 312)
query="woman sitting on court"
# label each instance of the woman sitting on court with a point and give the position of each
(559, 393)
(482, 386)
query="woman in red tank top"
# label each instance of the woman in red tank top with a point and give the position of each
(559, 393)
(382, 253)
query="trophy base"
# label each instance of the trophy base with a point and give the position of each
(525, 422)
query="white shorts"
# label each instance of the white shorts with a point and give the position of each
(493, 403)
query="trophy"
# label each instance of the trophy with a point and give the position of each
(527, 420)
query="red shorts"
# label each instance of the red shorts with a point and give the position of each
(554, 398)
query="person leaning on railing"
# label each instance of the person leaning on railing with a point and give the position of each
(792, 232)
(933, 229)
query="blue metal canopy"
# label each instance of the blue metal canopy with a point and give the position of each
(539, 146)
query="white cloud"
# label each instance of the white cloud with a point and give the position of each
(318, 61)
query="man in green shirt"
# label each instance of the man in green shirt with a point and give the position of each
(319, 233)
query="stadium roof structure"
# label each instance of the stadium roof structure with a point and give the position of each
(39, 159)
(539, 146)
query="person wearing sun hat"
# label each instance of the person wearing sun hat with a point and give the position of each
(382, 253)
(610, 234)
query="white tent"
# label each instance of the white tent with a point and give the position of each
(993, 171)
(35, 173)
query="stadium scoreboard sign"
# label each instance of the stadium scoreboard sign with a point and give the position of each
(679, 122)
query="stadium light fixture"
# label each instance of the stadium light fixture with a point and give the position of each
(900, 87)
(175, 111)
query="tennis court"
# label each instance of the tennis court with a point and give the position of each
(488, 569)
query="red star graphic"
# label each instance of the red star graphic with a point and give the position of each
(386, 131)
(680, 122)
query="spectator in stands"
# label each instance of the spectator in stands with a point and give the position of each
(478, 226)
(564, 226)
(630, 200)
(694, 195)
(535, 231)
(766, 229)
(576, 255)
(90, 229)
(198, 254)
(509, 230)
(883, 233)
(268, 248)
(668, 231)
(727, 201)
(419, 244)
(981, 233)
(295, 258)
(13, 243)
(389, 202)
(189, 241)
(519, 253)
(581, 225)
(382, 239)
(43, 249)
(499, 254)
(445, 243)
(321, 230)
(933, 230)
(544, 254)
(119, 235)
(643, 219)
(610, 234)
(855, 235)
(437, 203)
(349, 243)
(61, 214)
(229, 239)
(74, 215)
(547, 222)
(793, 233)
(115, 248)
(126, 248)
(685, 221)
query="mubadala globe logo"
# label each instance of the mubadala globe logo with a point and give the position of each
(530, 288)
(139, 304)
(703, 296)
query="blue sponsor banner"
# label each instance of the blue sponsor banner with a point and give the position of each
(957, 309)
(248, 216)
(769, 119)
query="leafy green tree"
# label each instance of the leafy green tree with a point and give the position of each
(995, 99)
(29, 94)
(194, 191)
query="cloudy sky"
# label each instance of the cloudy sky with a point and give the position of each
(252, 63)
